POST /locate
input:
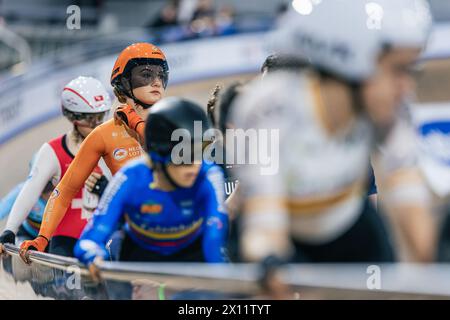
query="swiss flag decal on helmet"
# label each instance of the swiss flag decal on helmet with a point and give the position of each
(98, 98)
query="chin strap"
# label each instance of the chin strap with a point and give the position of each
(357, 99)
(136, 100)
(139, 102)
(168, 177)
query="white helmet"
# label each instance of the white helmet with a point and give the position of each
(346, 37)
(85, 95)
(406, 23)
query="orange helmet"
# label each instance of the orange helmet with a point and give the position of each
(135, 55)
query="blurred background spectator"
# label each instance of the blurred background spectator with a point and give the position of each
(167, 17)
(203, 9)
(186, 10)
(225, 20)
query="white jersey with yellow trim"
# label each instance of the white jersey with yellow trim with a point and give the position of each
(322, 176)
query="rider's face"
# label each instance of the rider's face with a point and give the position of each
(87, 122)
(384, 93)
(184, 175)
(147, 82)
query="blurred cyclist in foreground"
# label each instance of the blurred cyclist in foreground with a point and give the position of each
(343, 108)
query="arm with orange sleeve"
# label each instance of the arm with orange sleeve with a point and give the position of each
(85, 161)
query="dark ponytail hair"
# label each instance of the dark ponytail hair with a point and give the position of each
(211, 105)
(220, 104)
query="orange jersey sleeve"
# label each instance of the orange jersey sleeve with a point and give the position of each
(85, 161)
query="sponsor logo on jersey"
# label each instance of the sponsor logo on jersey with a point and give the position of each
(134, 151)
(151, 208)
(186, 203)
(120, 154)
(186, 207)
(187, 212)
(174, 232)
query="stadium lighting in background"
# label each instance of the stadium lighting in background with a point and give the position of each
(375, 13)
(304, 7)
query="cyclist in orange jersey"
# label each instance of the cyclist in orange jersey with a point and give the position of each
(139, 79)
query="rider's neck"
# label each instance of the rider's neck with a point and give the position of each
(73, 141)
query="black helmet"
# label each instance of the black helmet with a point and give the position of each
(167, 115)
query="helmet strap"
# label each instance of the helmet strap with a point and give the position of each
(139, 102)
(356, 93)
(136, 100)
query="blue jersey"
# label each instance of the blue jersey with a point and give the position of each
(34, 219)
(160, 221)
